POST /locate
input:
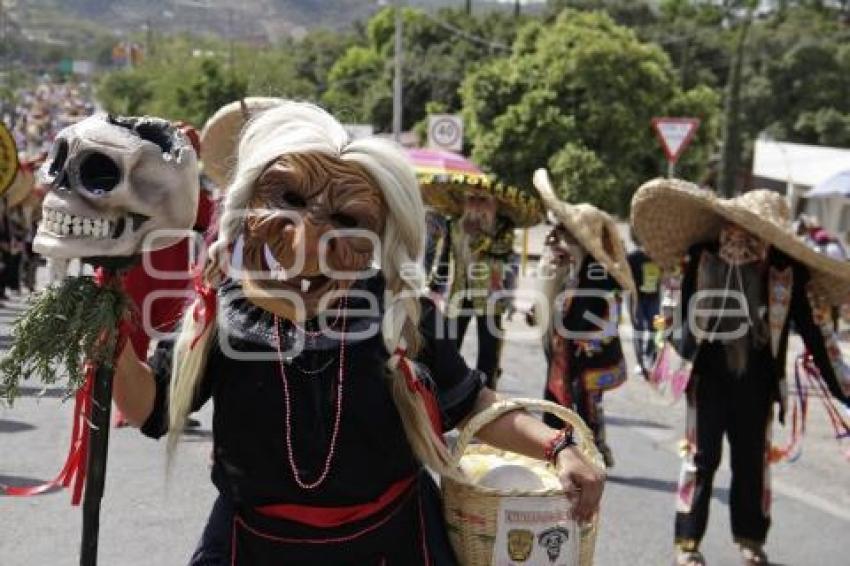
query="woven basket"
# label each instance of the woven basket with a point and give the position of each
(471, 511)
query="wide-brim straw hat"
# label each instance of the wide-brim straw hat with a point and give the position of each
(671, 215)
(220, 136)
(447, 194)
(594, 229)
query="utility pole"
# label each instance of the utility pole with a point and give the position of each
(397, 88)
(517, 8)
(731, 156)
(230, 58)
(148, 38)
(468, 7)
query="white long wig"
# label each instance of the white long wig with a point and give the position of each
(297, 128)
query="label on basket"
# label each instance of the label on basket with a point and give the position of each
(536, 531)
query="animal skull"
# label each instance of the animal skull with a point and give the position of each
(114, 181)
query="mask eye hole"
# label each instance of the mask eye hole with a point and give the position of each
(344, 220)
(99, 174)
(294, 200)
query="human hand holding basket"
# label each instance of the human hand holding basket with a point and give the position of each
(473, 512)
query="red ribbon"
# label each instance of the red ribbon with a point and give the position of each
(75, 467)
(839, 425)
(805, 366)
(419, 387)
(75, 463)
(204, 311)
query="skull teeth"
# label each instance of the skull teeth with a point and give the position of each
(63, 224)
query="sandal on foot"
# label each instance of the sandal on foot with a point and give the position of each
(690, 558)
(753, 555)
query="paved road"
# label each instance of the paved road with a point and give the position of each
(153, 517)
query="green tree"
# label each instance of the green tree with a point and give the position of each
(578, 96)
(797, 78)
(439, 50)
(207, 92)
(125, 92)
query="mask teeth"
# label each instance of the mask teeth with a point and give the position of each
(64, 224)
(277, 271)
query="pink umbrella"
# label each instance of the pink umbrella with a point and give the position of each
(441, 162)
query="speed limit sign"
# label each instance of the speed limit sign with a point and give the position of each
(445, 131)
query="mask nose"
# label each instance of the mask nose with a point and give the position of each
(306, 235)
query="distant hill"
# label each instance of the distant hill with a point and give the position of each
(257, 20)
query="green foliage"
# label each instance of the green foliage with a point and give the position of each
(578, 95)
(207, 92)
(535, 90)
(631, 13)
(125, 92)
(439, 50)
(583, 177)
(85, 316)
(190, 78)
(796, 79)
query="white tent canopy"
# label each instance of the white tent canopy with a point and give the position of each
(798, 164)
(800, 167)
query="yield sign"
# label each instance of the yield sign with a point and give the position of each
(675, 135)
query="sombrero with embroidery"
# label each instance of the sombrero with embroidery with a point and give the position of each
(447, 178)
(594, 229)
(671, 215)
(220, 136)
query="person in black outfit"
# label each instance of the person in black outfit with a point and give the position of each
(330, 392)
(746, 281)
(583, 269)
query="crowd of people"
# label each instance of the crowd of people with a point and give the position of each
(296, 177)
(38, 115)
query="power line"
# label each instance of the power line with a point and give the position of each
(466, 35)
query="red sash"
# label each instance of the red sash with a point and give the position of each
(327, 517)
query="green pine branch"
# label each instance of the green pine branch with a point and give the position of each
(64, 327)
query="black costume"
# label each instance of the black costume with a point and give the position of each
(252, 464)
(585, 360)
(733, 393)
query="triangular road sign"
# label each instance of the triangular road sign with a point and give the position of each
(675, 134)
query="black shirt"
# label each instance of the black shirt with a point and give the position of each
(251, 460)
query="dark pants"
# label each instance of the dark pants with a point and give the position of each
(588, 405)
(645, 309)
(489, 344)
(740, 407)
(13, 271)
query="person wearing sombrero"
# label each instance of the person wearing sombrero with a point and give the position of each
(746, 280)
(481, 244)
(583, 270)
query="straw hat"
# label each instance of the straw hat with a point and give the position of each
(594, 229)
(671, 215)
(220, 136)
(447, 193)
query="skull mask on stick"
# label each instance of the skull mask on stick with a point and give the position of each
(115, 181)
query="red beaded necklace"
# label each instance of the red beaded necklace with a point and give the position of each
(287, 403)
